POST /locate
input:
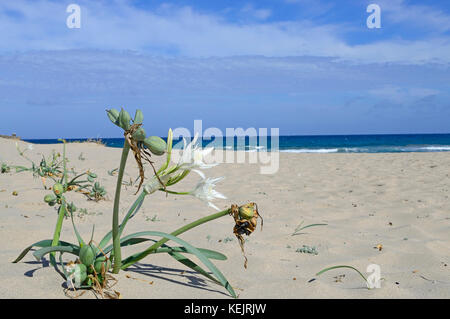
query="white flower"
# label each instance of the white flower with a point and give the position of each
(205, 191)
(192, 157)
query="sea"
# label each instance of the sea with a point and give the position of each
(384, 143)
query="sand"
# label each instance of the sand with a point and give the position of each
(399, 201)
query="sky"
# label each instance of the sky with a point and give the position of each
(307, 67)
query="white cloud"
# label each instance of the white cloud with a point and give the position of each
(415, 16)
(169, 29)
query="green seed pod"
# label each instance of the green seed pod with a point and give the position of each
(52, 203)
(58, 189)
(87, 255)
(90, 178)
(98, 265)
(247, 211)
(124, 119)
(82, 271)
(49, 198)
(138, 117)
(113, 115)
(156, 145)
(139, 135)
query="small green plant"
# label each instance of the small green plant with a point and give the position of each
(83, 212)
(5, 168)
(50, 167)
(299, 228)
(97, 192)
(307, 250)
(113, 172)
(95, 259)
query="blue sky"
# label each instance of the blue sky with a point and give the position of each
(304, 66)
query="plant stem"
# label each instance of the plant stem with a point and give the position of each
(115, 226)
(57, 233)
(177, 232)
(61, 212)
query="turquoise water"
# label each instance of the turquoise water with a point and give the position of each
(316, 144)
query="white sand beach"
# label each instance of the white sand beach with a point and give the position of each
(398, 201)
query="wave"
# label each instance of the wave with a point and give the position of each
(310, 150)
(373, 149)
(437, 148)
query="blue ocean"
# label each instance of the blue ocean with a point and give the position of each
(313, 144)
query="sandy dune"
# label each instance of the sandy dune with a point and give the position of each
(400, 201)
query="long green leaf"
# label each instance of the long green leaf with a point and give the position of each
(223, 281)
(131, 240)
(43, 251)
(79, 238)
(189, 263)
(341, 266)
(42, 243)
(175, 253)
(299, 228)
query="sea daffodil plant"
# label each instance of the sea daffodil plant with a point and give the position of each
(95, 259)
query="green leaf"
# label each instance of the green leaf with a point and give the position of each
(80, 239)
(299, 228)
(43, 251)
(189, 263)
(131, 240)
(175, 252)
(42, 243)
(193, 250)
(341, 266)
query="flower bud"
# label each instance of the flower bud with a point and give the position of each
(124, 119)
(101, 261)
(156, 145)
(138, 117)
(87, 255)
(49, 198)
(113, 115)
(139, 134)
(58, 189)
